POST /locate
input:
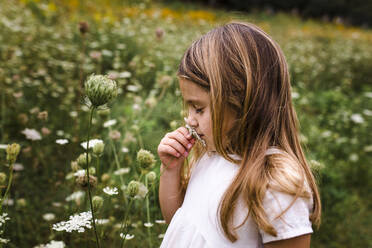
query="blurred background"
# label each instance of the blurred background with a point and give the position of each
(49, 48)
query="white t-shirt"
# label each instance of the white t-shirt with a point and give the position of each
(195, 223)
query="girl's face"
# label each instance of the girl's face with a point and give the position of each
(197, 101)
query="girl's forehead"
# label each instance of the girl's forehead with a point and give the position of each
(193, 93)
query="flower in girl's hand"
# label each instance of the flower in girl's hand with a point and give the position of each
(195, 134)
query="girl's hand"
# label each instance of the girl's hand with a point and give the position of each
(175, 147)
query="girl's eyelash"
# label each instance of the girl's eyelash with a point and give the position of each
(198, 110)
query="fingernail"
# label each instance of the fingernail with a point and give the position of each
(185, 154)
(189, 146)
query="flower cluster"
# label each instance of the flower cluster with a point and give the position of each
(76, 222)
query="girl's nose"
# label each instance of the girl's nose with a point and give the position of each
(191, 121)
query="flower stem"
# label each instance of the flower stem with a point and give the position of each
(124, 223)
(148, 214)
(89, 191)
(8, 187)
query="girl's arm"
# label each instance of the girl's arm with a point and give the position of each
(170, 195)
(172, 150)
(297, 242)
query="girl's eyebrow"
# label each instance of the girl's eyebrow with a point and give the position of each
(195, 102)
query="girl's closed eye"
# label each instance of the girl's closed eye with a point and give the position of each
(199, 110)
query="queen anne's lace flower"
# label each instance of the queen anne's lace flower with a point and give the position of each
(148, 224)
(31, 134)
(76, 222)
(3, 218)
(75, 196)
(111, 191)
(109, 123)
(127, 236)
(62, 141)
(121, 171)
(92, 143)
(52, 244)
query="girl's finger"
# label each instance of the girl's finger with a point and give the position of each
(177, 146)
(168, 150)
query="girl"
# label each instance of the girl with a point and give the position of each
(251, 185)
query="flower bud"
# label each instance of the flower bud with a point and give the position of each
(97, 202)
(82, 159)
(82, 181)
(98, 149)
(21, 202)
(83, 27)
(92, 170)
(75, 166)
(100, 90)
(145, 159)
(12, 152)
(2, 177)
(105, 177)
(151, 177)
(133, 188)
(104, 113)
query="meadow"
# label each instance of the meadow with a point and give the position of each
(48, 49)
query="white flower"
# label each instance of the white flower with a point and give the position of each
(121, 171)
(92, 143)
(3, 146)
(357, 118)
(52, 244)
(57, 204)
(8, 202)
(18, 167)
(3, 218)
(148, 224)
(127, 236)
(125, 149)
(367, 112)
(75, 196)
(102, 221)
(109, 123)
(4, 241)
(111, 191)
(49, 216)
(125, 74)
(62, 141)
(76, 222)
(73, 113)
(80, 173)
(160, 236)
(133, 88)
(142, 192)
(295, 95)
(31, 134)
(368, 94)
(160, 221)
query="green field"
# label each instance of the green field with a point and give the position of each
(45, 59)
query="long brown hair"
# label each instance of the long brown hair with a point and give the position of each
(245, 71)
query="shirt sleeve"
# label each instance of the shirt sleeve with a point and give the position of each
(294, 222)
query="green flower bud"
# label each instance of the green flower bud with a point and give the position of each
(98, 149)
(145, 159)
(82, 160)
(92, 170)
(12, 152)
(105, 177)
(133, 188)
(151, 177)
(2, 177)
(97, 202)
(21, 202)
(104, 113)
(100, 90)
